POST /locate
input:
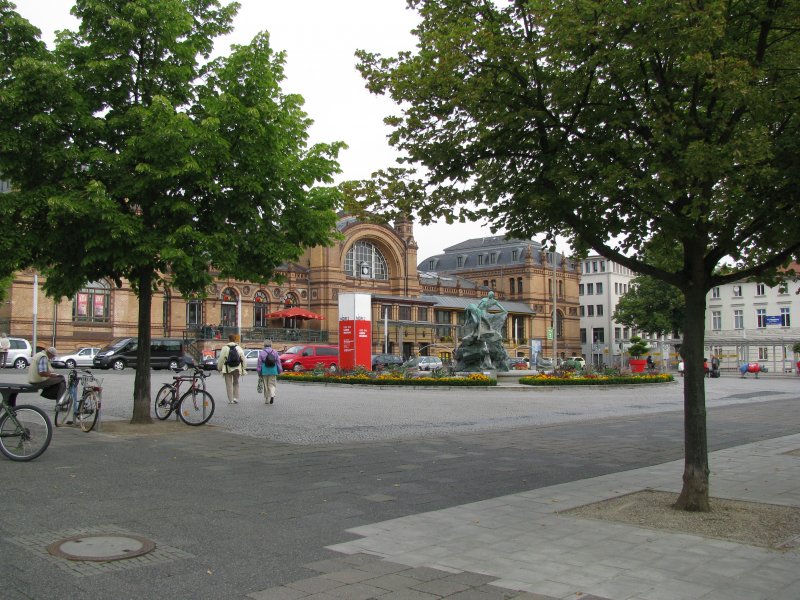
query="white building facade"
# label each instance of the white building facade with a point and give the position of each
(754, 322)
(603, 340)
(602, 284)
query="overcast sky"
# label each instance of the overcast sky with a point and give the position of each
(320, 38)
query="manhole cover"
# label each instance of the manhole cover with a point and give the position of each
(99, 547)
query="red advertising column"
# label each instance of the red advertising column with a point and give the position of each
(355, 331)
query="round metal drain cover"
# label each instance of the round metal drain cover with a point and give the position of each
(101, 547)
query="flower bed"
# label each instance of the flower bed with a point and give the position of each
(574, 379)
(476, 379)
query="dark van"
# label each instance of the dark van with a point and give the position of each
(306, 357)
(165, 353)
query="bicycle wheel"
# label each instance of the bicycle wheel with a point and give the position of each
(88, 411)
(163, 403)
(63, 413)
(30, 438)
(196, 407)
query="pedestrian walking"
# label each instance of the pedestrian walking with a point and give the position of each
(714, 366)
(5, 346)
(231, 364)
(269, 367)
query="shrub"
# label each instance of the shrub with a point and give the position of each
(612, 379)
(638, 347)
(392, 378)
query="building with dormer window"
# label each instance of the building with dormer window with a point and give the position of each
(523, 273)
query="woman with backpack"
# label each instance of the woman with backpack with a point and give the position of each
(231, 364)
(269, 367)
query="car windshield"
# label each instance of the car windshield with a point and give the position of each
(294, 350)
(115, 345)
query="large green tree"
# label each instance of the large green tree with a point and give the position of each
(620, 125)
(651, 305)
(132, 156)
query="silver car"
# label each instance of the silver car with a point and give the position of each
(19, 354)
(251, 359)
(82, 357)
(424, 363)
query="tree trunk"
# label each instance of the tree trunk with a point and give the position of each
(694, 495)
(141, 385)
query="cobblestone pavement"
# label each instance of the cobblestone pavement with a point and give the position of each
(238, 511)
(318, 414)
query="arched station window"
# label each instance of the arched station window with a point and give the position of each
(260, 309)
(229, 308)
(364, 261)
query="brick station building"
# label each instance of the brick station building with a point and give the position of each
(417, 308)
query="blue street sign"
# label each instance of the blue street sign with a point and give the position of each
(773, 320)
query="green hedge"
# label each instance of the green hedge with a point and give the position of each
(616, 380)
(391, 381)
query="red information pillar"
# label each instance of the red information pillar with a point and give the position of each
(355, 331)
(355, 348)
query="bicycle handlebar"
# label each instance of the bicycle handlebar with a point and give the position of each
(198, 372)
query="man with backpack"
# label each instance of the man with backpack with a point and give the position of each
(231, 364)
(269, 367)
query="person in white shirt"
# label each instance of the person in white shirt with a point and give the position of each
(231, 369)
(5, 346)
(42, 377)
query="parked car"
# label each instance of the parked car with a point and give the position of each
(165, 353)
(386, 360)
(518, 363)
(82, 357)
(251, 358)
(19, 354)
(424, 363)
(577, 361)
(306, 357)
(545, 364)
(209, 362)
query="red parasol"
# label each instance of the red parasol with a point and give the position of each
(295, 312)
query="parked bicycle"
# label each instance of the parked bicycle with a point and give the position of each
(83, 409)
(25, 431)
(194, 407)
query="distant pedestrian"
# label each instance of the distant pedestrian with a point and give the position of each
(269, 367)
(5, 346)
(231, 364)
(680, 367)
(715, 366)
(651, 365)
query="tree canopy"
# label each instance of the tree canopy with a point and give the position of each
(133, 155)
(651, 305)
(619, 125)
